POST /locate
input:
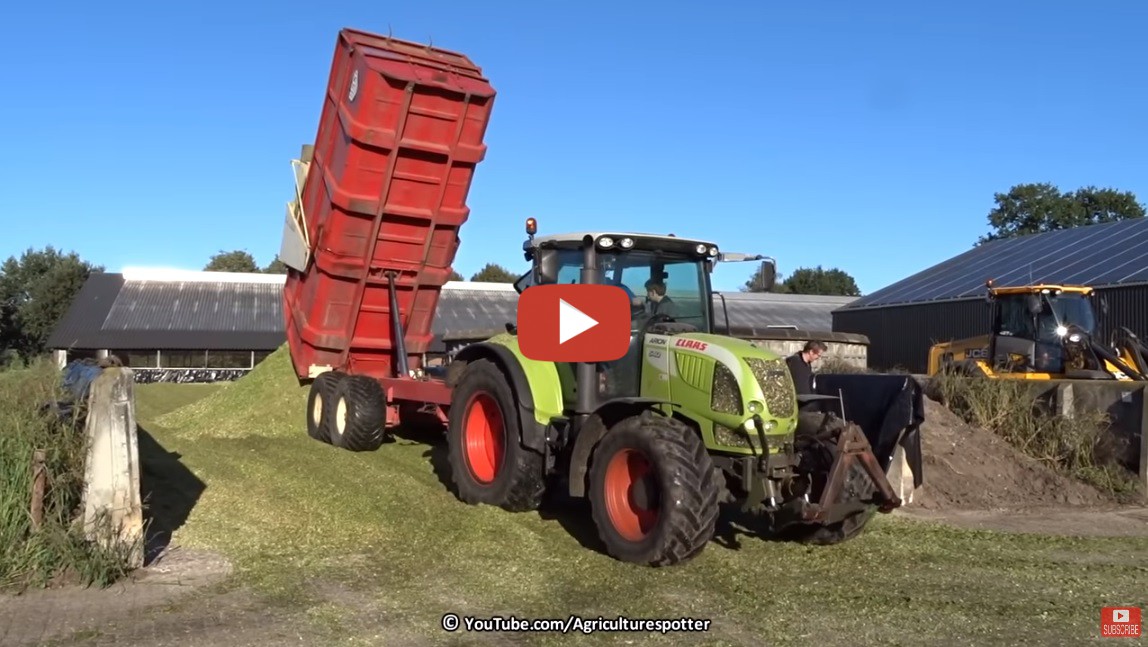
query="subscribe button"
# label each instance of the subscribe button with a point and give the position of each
(574, 323)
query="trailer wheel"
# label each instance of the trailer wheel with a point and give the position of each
(359, 415)
(654, 493)
(488, 463)
(320, 401)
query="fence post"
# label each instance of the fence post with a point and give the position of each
(112, 511)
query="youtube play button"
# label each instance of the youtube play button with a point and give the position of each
(574, 323)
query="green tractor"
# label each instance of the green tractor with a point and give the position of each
(657, 440)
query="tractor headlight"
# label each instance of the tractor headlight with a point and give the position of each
(1061, 331)
(1074, 338)
(701, 249)
(626, 243)
(605, 242)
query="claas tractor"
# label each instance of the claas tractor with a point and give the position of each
(1043, 332)
(659, 438)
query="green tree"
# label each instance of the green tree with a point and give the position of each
(234, 261)
(1039, 207)
(494, 273)
(455, 276)
(36, 291)
(804, 280)
(275, 267)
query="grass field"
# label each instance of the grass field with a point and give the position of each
(375, 545)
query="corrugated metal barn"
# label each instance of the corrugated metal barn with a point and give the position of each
(173, 324)
(946, 301)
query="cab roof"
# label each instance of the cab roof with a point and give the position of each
(1041, 287)
(641, 240)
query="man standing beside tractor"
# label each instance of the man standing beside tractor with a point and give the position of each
(801, 368)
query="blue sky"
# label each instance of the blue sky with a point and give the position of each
(865, 136)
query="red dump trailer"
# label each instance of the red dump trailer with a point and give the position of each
(381, 197)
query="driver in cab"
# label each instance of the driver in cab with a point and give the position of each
(657, 303)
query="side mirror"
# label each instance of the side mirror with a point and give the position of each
(1033, 303)
(766, 277)
(547, 267)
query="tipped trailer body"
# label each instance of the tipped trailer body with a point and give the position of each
(381, 197)
(369, 241)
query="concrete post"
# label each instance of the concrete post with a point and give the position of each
(112, 510)
(1144, 441)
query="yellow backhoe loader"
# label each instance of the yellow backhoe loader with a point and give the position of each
(1043, 332)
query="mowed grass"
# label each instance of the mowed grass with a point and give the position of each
(374, 545)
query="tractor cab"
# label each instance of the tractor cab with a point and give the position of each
(1042, 328)
(666, 277)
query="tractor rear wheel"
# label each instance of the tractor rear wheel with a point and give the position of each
(320, 403)
(359, 418)
(654, 493)
(488, 463)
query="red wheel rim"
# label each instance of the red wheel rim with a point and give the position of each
(482, 437)
(628, 489)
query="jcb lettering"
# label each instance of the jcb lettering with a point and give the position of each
(977, 353)
(691, 344)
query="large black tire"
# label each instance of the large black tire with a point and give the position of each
(359, 414)
(320, 403)
(488, 463)
(654, 493)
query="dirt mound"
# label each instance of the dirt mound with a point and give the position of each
(973, 469)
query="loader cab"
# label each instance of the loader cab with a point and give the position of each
(1033, 326)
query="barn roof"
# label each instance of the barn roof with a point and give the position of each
(229, 311)
(1101, 255)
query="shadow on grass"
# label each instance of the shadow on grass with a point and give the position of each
(169, 491)
(573, 513)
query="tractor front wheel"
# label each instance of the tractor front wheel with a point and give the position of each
(654, 493)
(488, 463)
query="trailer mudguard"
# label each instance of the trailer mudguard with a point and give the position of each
(597, 424)
(537, 387)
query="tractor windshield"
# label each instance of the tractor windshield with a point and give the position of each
(658, 283)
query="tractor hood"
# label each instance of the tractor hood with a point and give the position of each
(740, 381)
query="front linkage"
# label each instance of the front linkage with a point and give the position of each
(828, 477)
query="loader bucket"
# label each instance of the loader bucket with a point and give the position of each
(889, 409)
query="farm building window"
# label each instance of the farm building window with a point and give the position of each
(229, 359)
(182, 359)
(138, 358)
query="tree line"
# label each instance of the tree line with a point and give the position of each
(38, 286)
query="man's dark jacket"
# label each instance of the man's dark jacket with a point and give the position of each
(802, 374)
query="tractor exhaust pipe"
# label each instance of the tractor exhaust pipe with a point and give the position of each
(586, 373)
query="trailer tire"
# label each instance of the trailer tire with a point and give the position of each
(320, 403)
(358, 419)
(681, 514)
(488, 464)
